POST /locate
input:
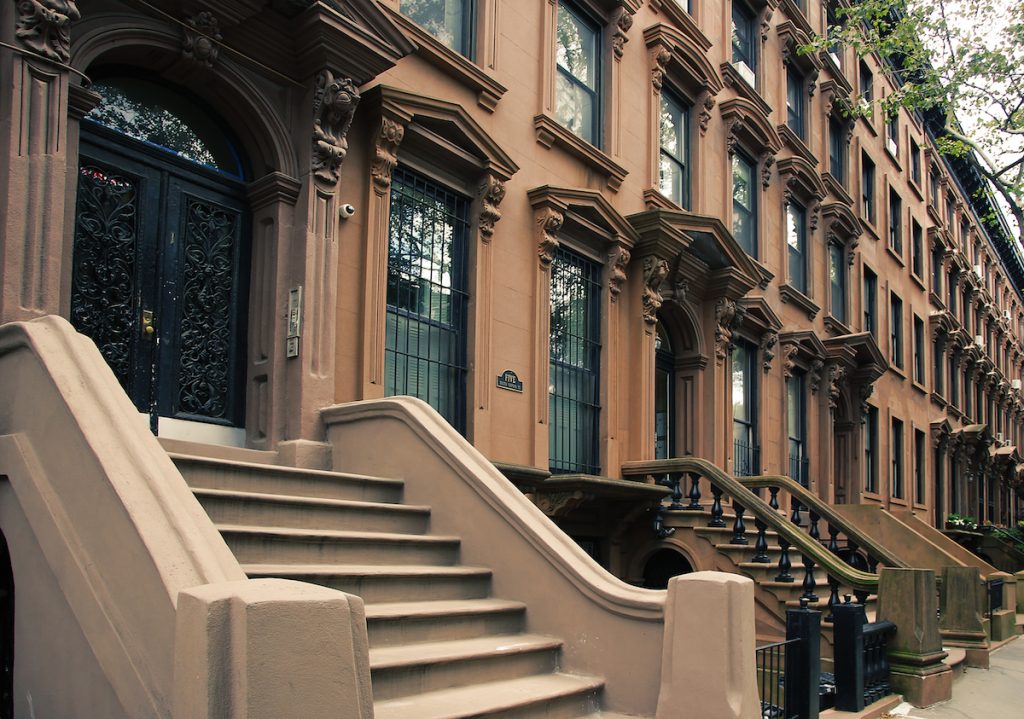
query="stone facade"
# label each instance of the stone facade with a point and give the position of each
(328, 101)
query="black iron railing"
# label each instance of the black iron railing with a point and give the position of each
(746, 459)
(861, 657)
(995, 596)
(771, 678)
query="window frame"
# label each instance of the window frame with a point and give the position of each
(896, 348)
(796, 101)
(752, 214)
(871, 450)
(838, 269)
(751, 23)
(797, 256)
(588, 19)
(868, 178)
(869, 301)
(897, 450)
(684, 164)
(751, 425)
(920, 360)
(468, 34)
(895, 222)
(837, 151)
(796, 384)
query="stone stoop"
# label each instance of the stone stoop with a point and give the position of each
(440, 646)
(879, 709)
(776, 596)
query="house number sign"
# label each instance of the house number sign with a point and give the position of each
(510, 380)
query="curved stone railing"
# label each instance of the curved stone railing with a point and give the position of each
(819, 510)
(611, 628)
(791, 537)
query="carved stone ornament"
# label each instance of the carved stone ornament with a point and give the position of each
(619, 37)
(655, 271)
(864, 393)
(767, 160)
(201, 39)
(705, 113)
(815, 216)
(732, 138)
(768, 341)
(766, 24)
(789, 353)
(386, 141)
(815, 375)
(618, 258)
(727, 316)
(837, 375)
(549, 222)
(661, 59)
(44, 27)
(334, 104)
(558, 504)
(492, 192)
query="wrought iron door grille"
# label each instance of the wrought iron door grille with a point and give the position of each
(574, 363)
(425, 338)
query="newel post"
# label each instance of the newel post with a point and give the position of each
(803, 661)
(713, 611)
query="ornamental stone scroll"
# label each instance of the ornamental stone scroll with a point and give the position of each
(44, 27)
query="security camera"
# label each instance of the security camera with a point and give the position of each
(347, 211)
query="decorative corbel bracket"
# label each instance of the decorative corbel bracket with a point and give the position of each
(655, 271)
(44, 27)
(334, 104)
(386, 139)
(491, 193)
(618, 258)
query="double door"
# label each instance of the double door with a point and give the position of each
(159, 277)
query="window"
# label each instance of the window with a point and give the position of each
(673, 157)
(837, 151)
(867, 91)
(951, 292)
(896, 330)
(871, 451)
(892, 135)
(450, 21)
(950, 208)
(744, 202)
(954, 487)
(954, 379)
(575, 363)
(664, 395)
(918, 350)
(896, 446)
(835, 49)
(744, 39)
(895, 223)
(578, 57)
(837, 280)
(869, 300)
(938, 360)
(867, 189)
(915, 163)
(746, 460)
(796, 101)
(933, 180)
(916, 248)
(796, 240)
(797, 427)
(425, 343)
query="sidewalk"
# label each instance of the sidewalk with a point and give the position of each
(981, 694)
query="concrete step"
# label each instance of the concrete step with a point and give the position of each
(275, 545)
(399, 623)
(386, 583)
(420, 668)
(205, 473)
(547, 696)
(227, 506)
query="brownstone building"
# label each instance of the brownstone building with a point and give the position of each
(586, 232)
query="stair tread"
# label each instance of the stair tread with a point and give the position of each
(405, 655)
(480, 699)
(309, 501)
(341, 534)
(280, 469)
(440, 608)
(363, 569)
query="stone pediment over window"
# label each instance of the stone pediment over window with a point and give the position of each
(761, 324)
(748, 125)
(841, 226)
(794, 34)
(940, 239)
(357, 37)
(702, 252)
(942, 324)
(441, 131)
(802, 182)
(679, 18)
(802, 350)
(681, 58)
(854, 363)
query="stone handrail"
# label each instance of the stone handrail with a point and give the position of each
(731, 487)
(824, 511)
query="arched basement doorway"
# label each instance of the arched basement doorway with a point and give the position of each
(662, 566)
(161, 249)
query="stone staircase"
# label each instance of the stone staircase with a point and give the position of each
(772, 597)
(440, 646)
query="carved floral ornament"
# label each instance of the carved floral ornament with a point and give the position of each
(623, 23)
(201, 39)
(492, 192)
(44, 27)
(655, 271)
(548, 223)
(386, 140)
(334, 104)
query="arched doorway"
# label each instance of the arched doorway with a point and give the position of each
(6, 632)
(662, 566)
(161, 249)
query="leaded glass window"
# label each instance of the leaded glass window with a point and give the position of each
(578, 59)
(673, 163)
(425, 343)
(450, 21)
(574, 368)
(744, 199)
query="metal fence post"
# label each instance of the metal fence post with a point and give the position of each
(803, 662)
(848, 649)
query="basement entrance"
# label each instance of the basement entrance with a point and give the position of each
(160, 269)
(662, 566)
